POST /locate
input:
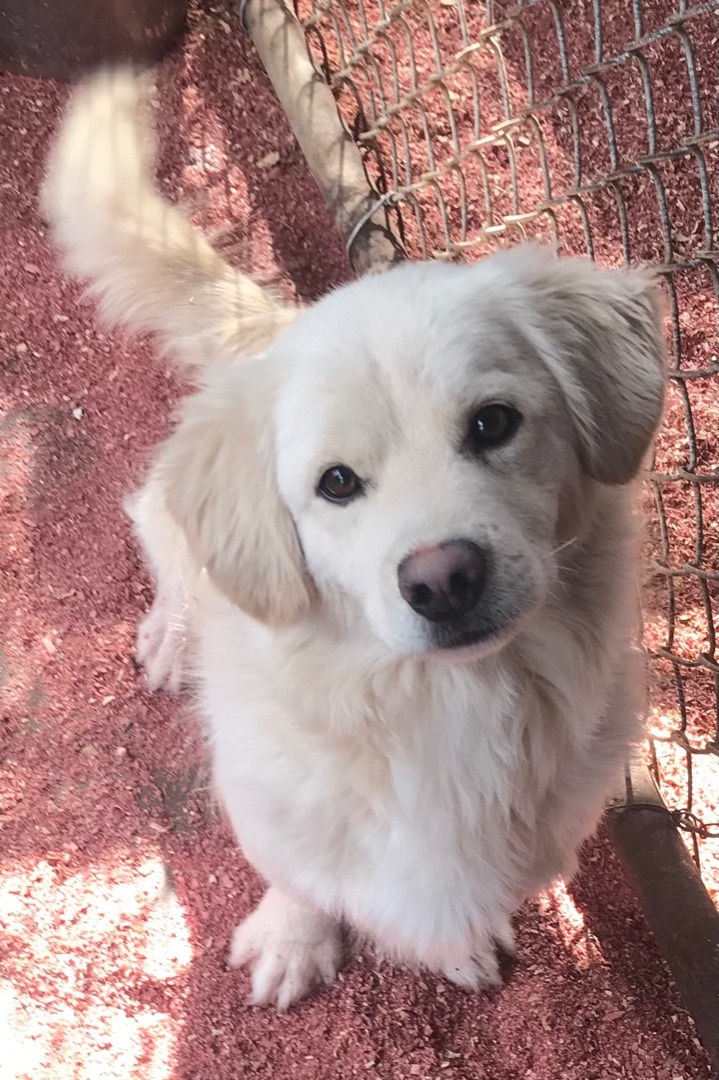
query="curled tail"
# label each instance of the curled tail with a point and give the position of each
(150, 269)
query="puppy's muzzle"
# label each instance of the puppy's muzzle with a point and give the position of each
(443, 583)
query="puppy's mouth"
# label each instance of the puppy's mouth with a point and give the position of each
(472, 641)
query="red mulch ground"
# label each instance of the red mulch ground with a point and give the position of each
(118, 888)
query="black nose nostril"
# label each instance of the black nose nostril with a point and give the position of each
(443, 582)
(458, 583)
(421, 594)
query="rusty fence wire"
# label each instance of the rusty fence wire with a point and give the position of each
(592, 124)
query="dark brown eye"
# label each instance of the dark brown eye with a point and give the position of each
(492, 426)
(339, 484)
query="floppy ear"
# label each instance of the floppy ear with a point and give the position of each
(221, 489)
(604, 343)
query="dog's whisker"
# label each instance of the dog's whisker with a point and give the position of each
(562, 547)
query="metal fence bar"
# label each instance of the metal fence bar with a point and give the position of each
(676, 904)
(329, 149)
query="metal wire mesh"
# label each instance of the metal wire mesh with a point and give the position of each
(593, 124)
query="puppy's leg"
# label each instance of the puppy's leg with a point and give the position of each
(162, 637)
(289, 948)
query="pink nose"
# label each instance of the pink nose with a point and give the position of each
(443, 582)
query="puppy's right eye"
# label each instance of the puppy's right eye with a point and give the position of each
(339, 484)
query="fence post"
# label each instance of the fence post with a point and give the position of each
(331, 153)
(677, 907)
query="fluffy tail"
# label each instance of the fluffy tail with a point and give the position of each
(150, 268)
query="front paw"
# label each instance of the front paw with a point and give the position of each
(289, 949)
(479, 968)
(160, 646)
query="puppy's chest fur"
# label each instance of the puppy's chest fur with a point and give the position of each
(420, 799)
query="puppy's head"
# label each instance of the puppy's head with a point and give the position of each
(412, 452)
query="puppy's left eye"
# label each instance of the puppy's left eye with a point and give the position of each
(492, 426)
(339, 484)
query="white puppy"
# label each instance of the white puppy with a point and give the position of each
(398, 527)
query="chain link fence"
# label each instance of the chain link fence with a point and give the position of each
(591, 124)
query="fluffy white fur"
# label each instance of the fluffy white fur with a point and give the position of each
(372, 773)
